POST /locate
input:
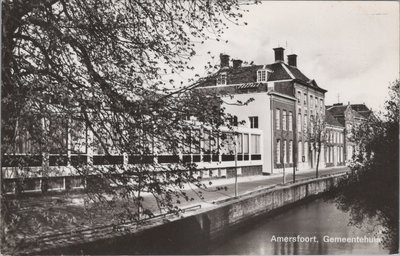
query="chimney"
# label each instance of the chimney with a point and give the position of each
(279, 54)
(292, 60)
(224, 58)
(237, 63)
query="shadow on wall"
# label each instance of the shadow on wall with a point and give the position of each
(186, 236)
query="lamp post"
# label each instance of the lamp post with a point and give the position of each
(236, 174)
(284, 174)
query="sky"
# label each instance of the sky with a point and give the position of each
(351, 49)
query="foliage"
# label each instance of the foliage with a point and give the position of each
(317, 136)
(99, 67)
(372, 190)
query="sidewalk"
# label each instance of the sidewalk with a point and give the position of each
(241, 179)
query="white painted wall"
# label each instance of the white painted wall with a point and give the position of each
(260, 107)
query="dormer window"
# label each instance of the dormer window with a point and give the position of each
(221, 80)
(262, 75)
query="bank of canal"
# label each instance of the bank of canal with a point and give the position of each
(243, 225)
(317, 218)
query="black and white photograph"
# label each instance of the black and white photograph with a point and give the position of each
(205, 127)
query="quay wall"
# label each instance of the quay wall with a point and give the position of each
(196, 230)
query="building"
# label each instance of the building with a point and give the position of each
(279, 106)
(289, 103)
(349, 116)
(334, 142)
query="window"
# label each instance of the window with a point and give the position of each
(278, 151)
(290, 152)
(311, 101)
(305, 99)
(329, 154)
(305, 122)
(284, 152)
(299, 124)
(261, 76)
(277, 118)
(299, 152)
(207, 138)
(305, 153)
(58, 131)
(255, 144)
(221, 80)
(290, 121)
(321, 105)
(78, 136)
(284, 120)
(227, 144)
(195, 141)
(24, 142)
(316, 103)
(239, 148)
(298, 96)
(253, 122)
(245, 143)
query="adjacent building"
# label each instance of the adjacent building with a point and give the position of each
(334, 153)
(349, 116)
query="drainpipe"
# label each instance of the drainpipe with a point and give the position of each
(294, 144)
(272, 133)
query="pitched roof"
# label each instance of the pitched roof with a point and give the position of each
(297, 73)
(359, 107)
(337, 110)
(248, 74)
(331, 120)
(362, 109)
(278, 72)
(359, 114)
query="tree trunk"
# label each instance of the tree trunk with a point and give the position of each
(318, 155)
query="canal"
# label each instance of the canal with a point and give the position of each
(311, 219)
(317, 218)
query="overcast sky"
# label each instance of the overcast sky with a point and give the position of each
(350, 48)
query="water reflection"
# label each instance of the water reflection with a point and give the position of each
(312, 219)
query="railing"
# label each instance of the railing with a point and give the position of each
(313, 177)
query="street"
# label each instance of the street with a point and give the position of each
(211, 194)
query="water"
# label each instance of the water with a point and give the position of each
(313, 218)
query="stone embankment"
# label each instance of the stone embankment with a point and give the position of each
(197, 225)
